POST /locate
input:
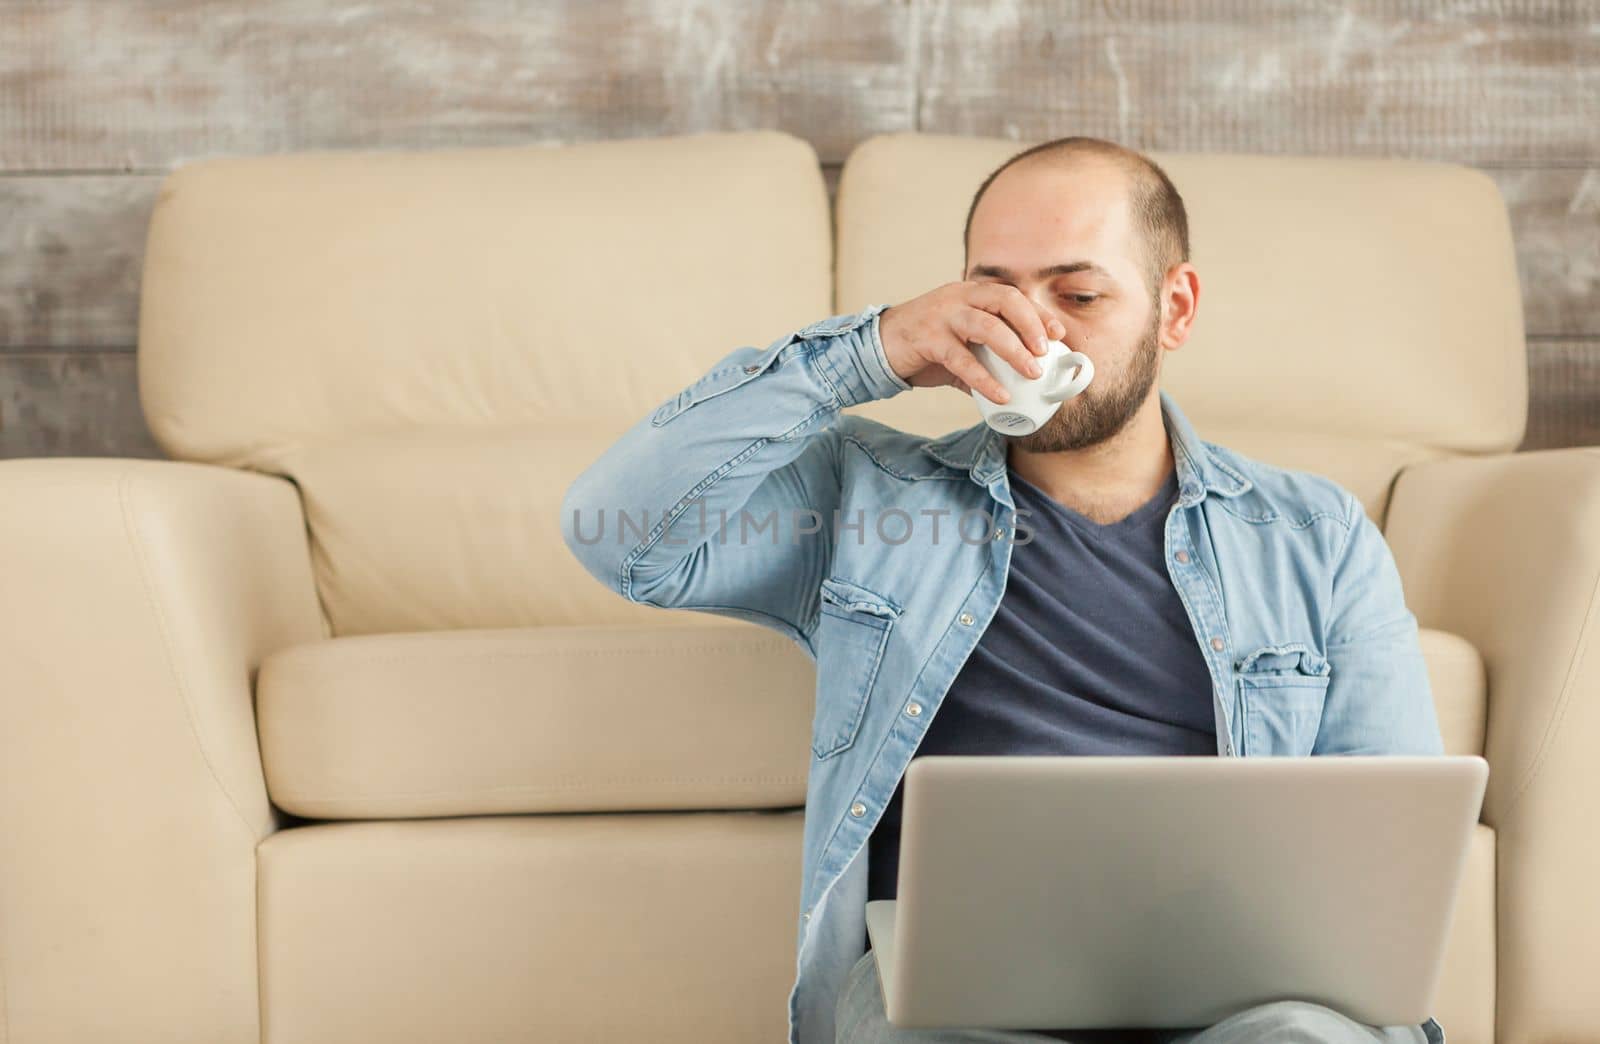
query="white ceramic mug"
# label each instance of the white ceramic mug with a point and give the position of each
(1034, 400)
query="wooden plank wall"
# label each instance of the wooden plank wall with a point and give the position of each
(98, 100)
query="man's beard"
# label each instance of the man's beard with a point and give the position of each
(1097, 413)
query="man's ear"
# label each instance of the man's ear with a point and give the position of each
(1181, 300)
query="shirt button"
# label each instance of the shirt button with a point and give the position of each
(806, 916)
(858, 810)
(1183, 556)
(751, 368)
(966, 619)
(1216, 643)
(914, 708)
(999, 533)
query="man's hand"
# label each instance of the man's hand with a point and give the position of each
(926, 337)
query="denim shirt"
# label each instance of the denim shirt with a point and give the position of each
(884, 554)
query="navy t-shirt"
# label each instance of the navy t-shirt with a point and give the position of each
(1090, 652)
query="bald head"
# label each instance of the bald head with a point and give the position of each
(1096, 237)
(1157, 224)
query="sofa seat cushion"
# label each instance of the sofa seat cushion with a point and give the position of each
(1460, 689)
(589, 719)
(552, 719)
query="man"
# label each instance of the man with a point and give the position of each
(1108, 584)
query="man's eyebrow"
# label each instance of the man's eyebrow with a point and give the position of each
(1065, 268)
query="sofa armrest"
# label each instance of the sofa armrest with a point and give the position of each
(1505, 551)
(137, 598)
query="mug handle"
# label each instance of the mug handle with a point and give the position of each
(1067, 389)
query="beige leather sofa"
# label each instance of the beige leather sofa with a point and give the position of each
(317, 733)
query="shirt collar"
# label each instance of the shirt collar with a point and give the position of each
(980, 451)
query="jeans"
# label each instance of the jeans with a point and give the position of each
(859, 1019)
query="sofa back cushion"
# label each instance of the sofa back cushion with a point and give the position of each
(433, 344)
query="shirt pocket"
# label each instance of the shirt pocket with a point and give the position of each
(851, 637)
(1281, 692)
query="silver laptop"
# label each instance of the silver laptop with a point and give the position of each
(1039, 892)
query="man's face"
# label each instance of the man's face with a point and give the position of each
(1034, 218)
